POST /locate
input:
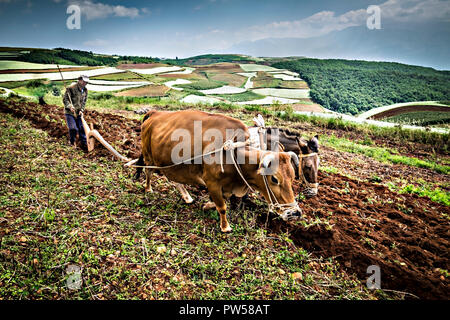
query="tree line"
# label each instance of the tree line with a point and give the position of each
(79, 57)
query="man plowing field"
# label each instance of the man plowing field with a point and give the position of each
(74, 105)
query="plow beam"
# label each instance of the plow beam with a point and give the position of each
(92, 135)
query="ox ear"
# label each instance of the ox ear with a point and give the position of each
(267, 166)
(313, 144)
(302, 143)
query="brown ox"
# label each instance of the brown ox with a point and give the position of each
(306, 150)
(158, 131)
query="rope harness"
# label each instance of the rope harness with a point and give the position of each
(273, 203)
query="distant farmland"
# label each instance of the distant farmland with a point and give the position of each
(356, 86)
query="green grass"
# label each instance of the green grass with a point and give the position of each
(37, 88)
(238, 97)
(381, 154)
(59, 207)
(128, 76)
(9, 64)
(436, 194)
(12, 84)
(202, 85)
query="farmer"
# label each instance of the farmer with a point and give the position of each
(74, 104)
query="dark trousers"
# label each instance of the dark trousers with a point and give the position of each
(75, 127)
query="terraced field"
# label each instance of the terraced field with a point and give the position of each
(204, 83)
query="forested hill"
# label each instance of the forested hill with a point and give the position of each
(351, 86)
(70, 57)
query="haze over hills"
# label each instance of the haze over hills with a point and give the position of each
(426, 46)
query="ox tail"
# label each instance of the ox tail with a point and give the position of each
(140, 162)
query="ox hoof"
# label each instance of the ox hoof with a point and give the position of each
(226, 230)
(291, 216)
(209, 206)
(188, 199)
(149, 189)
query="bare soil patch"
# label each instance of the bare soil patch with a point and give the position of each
(308, 107)
(147, 91)
(221, 67)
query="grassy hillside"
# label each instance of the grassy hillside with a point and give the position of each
(69, 57)
(356, 86)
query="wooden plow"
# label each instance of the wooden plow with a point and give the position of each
(92, 135)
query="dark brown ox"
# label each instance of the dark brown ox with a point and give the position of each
(158, 130)
(306, 150)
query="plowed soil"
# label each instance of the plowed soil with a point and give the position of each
(147, 91)
(362, 223)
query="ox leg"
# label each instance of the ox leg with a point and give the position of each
(184, 193)
(148, 186)
(217, 197)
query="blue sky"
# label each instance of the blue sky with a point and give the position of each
(184, 28)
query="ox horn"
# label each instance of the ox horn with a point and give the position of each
(265, 163)
(294, 158)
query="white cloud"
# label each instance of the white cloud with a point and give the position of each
(414, 10)
(324, 22)
(97, 10)
(318, 24)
